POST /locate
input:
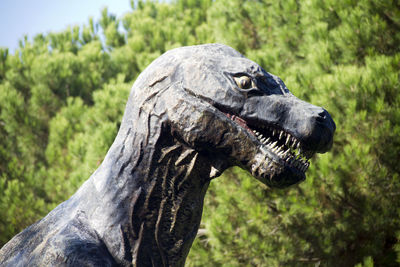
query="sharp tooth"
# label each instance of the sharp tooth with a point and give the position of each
(268, 139)
(274, 144)
(287, 151)
(280, 135)
(262, 140)
(253, 168)
(293, 141)
(287, 139)
(298, 144)
(273, 132)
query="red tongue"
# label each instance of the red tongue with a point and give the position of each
(239, 121)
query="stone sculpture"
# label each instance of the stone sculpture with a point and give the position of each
(194, 112)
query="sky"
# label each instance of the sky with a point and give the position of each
(30, 17)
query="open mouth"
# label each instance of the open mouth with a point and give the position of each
(279, 145)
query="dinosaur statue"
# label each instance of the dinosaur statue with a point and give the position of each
(194, 112)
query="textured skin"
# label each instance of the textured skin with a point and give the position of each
(187, 120)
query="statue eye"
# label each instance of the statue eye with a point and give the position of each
(244, 82)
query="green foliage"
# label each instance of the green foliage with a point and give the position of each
(62, 96)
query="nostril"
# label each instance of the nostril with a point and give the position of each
(321, 117)
(322, 113)
(325, 121)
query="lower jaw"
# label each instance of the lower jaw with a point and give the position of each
(273, 172)
(285, 179)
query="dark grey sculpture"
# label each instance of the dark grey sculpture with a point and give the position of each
(194, 112)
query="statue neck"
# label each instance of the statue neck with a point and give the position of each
(149, 201)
